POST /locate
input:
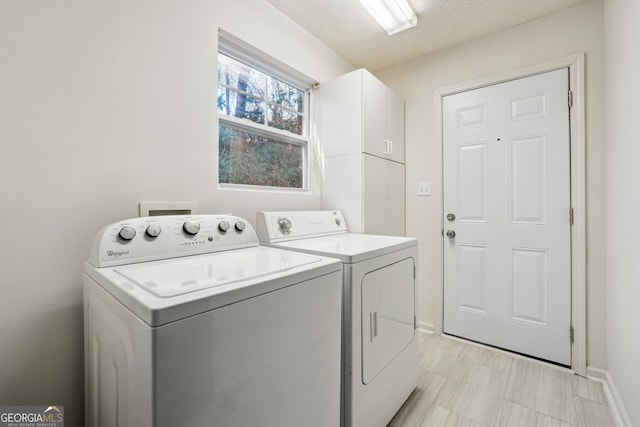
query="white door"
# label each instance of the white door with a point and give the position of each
(507, 270)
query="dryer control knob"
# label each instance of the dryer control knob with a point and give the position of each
(127, 233)
(153, 231)
(240, 225)
(223, 226)
(285, 225)
(191, 227)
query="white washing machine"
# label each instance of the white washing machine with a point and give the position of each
(380, 341)
(189, 322)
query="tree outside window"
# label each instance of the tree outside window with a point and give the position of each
(262, 128)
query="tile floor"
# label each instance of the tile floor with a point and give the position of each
(466, 385)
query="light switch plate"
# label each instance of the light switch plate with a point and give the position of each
(423, 189)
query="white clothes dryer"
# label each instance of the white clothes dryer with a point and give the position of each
(380, 341)
(189, 322)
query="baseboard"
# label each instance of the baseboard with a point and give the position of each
(618, 411)
(425, 327)
(596, 374)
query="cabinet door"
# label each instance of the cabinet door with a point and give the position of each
(383, 119)
(374, 112)
(383, 196)
(395, 126)
(341, 115)
(396, 198)
(342, 188)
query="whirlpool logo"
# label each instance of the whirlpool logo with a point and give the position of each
(32, 416)
(117, 253)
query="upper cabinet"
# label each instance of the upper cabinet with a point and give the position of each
(361, 114)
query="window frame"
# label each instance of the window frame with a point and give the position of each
(238, 50)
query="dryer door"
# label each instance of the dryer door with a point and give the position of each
(388, 310)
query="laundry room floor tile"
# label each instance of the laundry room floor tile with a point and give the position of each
(463, 384)
(591, 390)
(495, 360)
(439, 355)
(473, 391)
(513, 414)
(441, 417)
(543, 388)
(417, 406)
(593, 414)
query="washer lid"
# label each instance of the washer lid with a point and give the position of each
(350, 247)
(170, 278)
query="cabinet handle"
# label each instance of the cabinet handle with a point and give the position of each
(373, 320)
(388, 146)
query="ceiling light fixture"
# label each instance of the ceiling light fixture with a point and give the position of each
(392, 15)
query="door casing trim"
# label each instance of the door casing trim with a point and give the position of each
(575, 64)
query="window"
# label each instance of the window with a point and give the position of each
(263, 123)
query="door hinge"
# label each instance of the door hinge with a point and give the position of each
(570, 98)
(415, 322)
(571, 334)
(571, 216)
(414, 272)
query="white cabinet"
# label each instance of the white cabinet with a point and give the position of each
(361, 114)
(362, 144)
(369, 191)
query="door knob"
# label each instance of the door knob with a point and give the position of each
(451, 234)
(451, 217)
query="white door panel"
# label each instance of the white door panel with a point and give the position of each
(387, 315)
(507, 181)
(374, 115)
(395, 126)
(472, 184)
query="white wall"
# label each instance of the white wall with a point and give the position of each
(578, 29)
(623, 199)
(104, 104)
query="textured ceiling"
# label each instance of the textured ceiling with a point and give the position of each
(346, 27)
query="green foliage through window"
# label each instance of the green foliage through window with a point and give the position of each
(245, 158)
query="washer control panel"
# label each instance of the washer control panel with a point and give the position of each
(161, 237)
(281, 226)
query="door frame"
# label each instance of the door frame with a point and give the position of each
(575, 64)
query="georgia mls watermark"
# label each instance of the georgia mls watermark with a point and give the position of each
(32, 416)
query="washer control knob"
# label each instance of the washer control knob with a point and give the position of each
(223, 226)
(153, 231)
(127, 233)
(338, 222)
(285, 225)
(191, 227)
(240, 226)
